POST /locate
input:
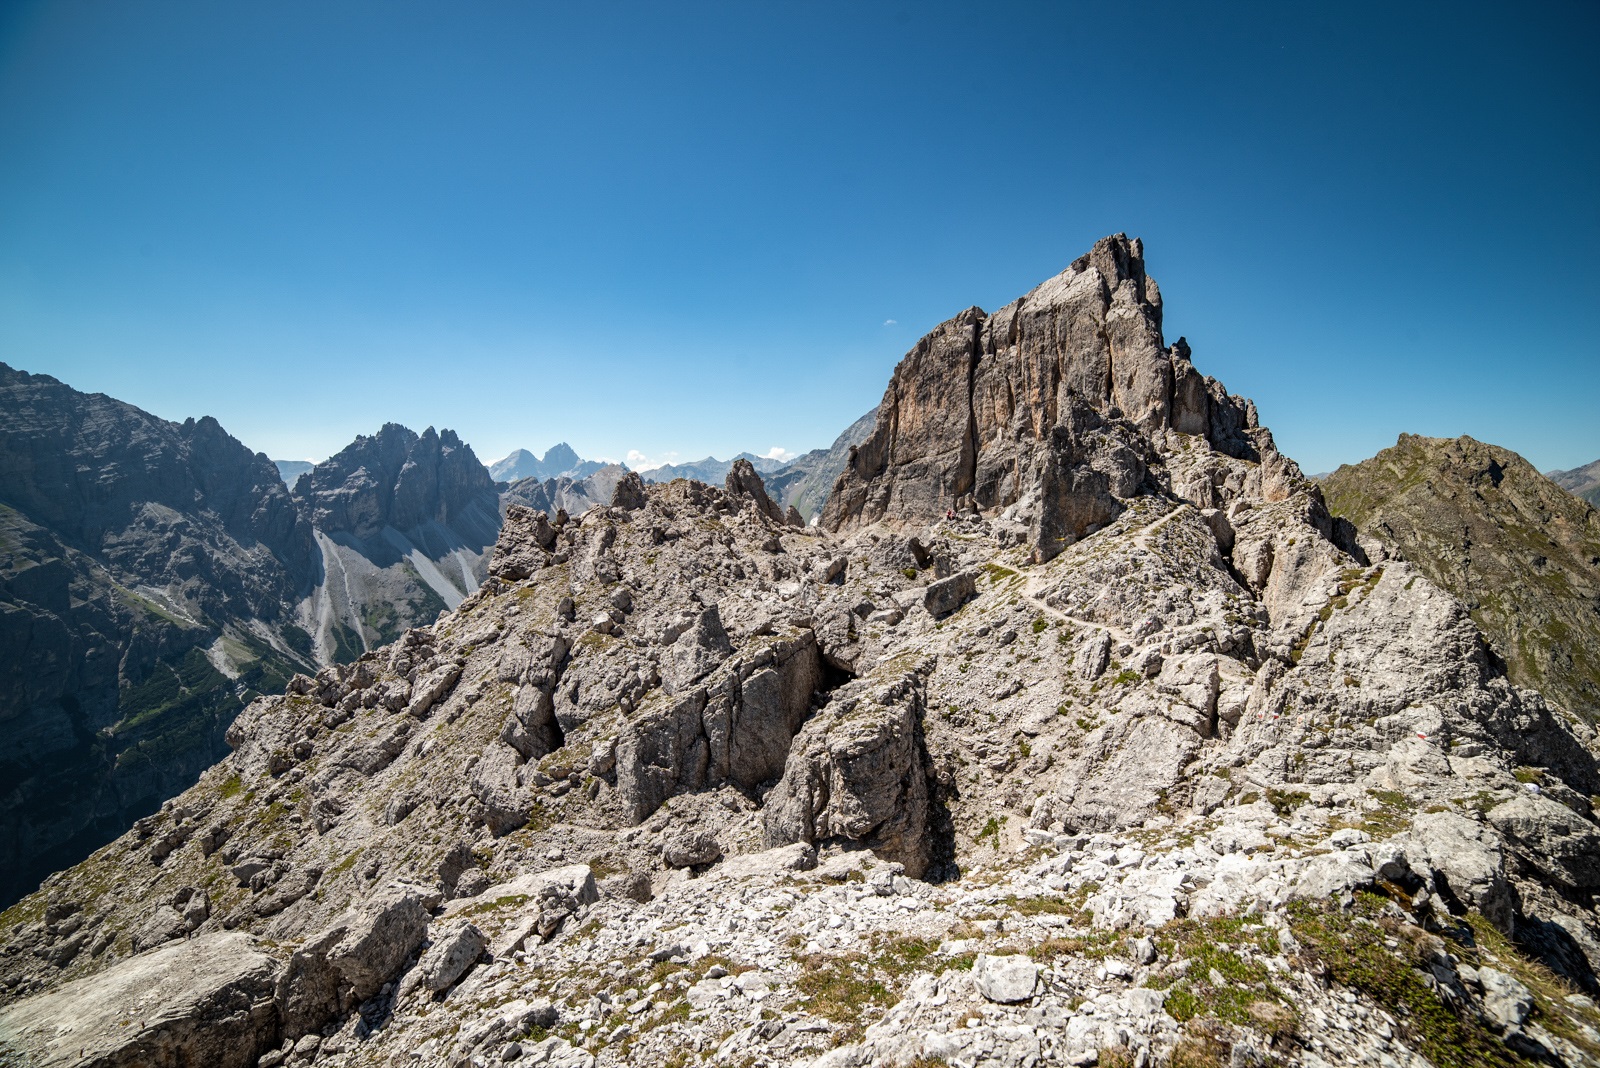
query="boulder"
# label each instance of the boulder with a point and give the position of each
(1557, 841)
(1506, 1002)
(1467, 862)
(945, 596)
(353, 957)
(691, 849)
(455, 950)
(208, 1001)
(1006, 980)
(858, 772)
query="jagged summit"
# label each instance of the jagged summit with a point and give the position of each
(1194, 782)
(1065, 401)
(395, 478)
(560, 461)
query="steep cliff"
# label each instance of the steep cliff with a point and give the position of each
(1059, 402)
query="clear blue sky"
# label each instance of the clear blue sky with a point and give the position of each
(700, 228)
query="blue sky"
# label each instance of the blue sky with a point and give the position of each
(700, 228)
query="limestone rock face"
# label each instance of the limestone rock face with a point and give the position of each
(349, 960)
(1053, 398)
(859, 773)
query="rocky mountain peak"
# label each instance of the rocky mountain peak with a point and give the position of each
(1064, 403)
(1522, 554)
(1137, 760)
(395, 478)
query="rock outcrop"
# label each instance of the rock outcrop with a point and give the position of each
(1056, 402)
(1524, 556)
(206, 1001)
(1206, 784)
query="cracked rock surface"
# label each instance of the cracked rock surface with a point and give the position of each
(1192, 780)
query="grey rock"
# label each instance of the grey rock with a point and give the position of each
(743, 482)
(1506, 1002)
(945, 596)
(454, 950)
(629, 494)
(215, 1000)
(858, 772)
(690, 849)
(352, 958)
(1006, 980)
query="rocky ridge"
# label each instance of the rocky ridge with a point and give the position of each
(682, 782)
(1524, 556)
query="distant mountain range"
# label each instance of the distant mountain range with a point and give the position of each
(563, 479)
(559, 462)
(289, 470)
(711, 470)
(1581, 482)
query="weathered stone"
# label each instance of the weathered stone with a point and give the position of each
(691, 849)
(947, 595)
(454, 950)
(352, 958)
(204, 1001)
(1006, 980)
(857, 772)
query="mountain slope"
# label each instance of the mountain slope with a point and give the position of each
(682, 784)
(1482, 523)
(404, 522)
(146, 567)
(806, 482)
(1582, 482)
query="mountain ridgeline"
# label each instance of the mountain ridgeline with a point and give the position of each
(158, 576)
(155, 577)
(1582, 482)
(1140, 758)
(1519, 551)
